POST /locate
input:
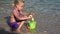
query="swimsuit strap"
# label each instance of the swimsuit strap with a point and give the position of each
(17, 13)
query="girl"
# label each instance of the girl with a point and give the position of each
(17, 18)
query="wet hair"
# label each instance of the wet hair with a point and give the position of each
(16, 2)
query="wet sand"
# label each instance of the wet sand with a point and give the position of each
(47, 16)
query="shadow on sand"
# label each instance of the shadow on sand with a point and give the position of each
(2, 31)
(7, 20)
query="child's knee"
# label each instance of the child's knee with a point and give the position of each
(23, 22)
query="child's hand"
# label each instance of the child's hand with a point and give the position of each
(26, 17)
(30, 16)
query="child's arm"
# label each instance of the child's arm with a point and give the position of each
(18, 17)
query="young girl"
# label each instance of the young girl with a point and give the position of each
(17, 18)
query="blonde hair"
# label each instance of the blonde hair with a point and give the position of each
(16, 2)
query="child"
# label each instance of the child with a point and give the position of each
(17, 18)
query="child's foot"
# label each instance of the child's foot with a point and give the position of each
(18, 30)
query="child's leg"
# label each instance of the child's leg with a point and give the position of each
(20, 25)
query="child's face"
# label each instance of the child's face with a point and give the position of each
(20, 6)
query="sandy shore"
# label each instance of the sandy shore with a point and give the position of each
(47, 17)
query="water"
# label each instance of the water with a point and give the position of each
(47, 14)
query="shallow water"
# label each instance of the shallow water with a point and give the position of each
(47, 14)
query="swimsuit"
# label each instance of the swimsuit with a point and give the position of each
(14, 24)
(19, 20)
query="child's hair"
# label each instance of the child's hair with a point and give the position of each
(16, 2)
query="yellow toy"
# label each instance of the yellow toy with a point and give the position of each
(31, 23)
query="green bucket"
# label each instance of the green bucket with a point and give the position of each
(32, 24)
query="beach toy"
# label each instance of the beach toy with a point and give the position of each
(31, 23)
